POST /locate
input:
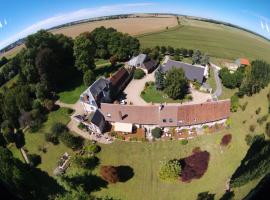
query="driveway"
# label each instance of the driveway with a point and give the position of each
(218, 91)
(135, 87)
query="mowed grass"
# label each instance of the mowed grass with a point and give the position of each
(35, 140)
(145, 159)
(151, 94)
(216, 40)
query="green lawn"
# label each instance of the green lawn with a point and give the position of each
(35, 140)
(216, 40)
(211, 79)
(9, 84)
(101, 62)
(16, 152)
(145, 160)
(151, 94)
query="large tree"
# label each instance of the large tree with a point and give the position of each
(159, 79)
(176, 84)
(84, 52)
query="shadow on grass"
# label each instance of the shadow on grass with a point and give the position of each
(125, 173)
(106, 70)
(74, 79)
(88, 181)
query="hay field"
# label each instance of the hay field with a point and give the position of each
(132, 26)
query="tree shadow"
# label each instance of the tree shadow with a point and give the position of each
(19, 139)
(107, 70)
(89, 182)
(125, 173)
(205, 196)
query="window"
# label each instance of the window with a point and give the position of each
(170, 120)
(164, 120)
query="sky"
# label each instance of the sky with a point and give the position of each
(19, 18)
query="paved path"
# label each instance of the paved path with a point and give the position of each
(135, 87)
(218, 91)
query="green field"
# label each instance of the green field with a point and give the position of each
(35, 140)
(216, 40)
(145, 160)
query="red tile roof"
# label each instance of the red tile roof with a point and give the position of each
(119, 77)
(244, 61)
(169, 115)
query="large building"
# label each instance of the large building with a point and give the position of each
(144, 62)
(192, 72)
(166, 115)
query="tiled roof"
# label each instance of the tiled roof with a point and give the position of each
(119, 77)
(149, 65)
(168, 115)
(192, 72)
(242, 61)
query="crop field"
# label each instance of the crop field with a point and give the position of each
(216, 40)
(132, 26)
(145, 159)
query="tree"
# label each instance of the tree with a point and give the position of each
(58, 128)
(170, 170)
(205, 196)
(89, 78)
(113, 60)
(34, 159)
(177, 51)
(8, 132)
(267, 129)
(231, 80)
(159, 79)
(170, 50)
(190, 52)
(3, 61)
(91, 148)
(176, 84)
(205, 60)
(163, 49)
(71, 141)
(138, 73)
(51, 137)
(196, 57)
(109, 174)
(156, 132)
(49, 104)
(84, 52)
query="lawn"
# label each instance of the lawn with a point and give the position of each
(9, 84)
(145, 160)
(35, 140)
(101, 62)
(211, 79)
(151, 94)
(216, 40)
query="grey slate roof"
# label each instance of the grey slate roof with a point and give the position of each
(138, 60)
(192, 72)
(96, 118)
(98, 86)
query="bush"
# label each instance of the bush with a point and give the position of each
(184, 142)
(58, 128)
(267, 129)
(49, 104)
(262, 119)
(234, 103)
(109, 174)
(156, 132)
(138, 73)
(88, 78)
(170, 170)
(70, 111)
(252, 128)
(226, 139)
(91, 148)
(258, 111)
(244, 106)
(71, 141)
(85, 162)
(251, 139)
(82, 126)
(50, 137)
(195, 165)
(34, 159)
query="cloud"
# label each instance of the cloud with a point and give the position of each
(76, 15)
(262, 25)
(266, 25)
(5, 21)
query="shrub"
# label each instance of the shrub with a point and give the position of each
(267, 129)
(244, 106)
(109, 174)
(234, 103)
(70, 111)
(170, 170)
(251, 139)
(91, 148)
(49, 104)
(258, 111)
(156, 132)
(226, 139)
(82, 126)
(194, 166)
(262, 119)
(252, 128)
(58, 128)
(71, 141)
(184, 142)
(138, 73)
(34, 159)
(50, 137)
(85, 162)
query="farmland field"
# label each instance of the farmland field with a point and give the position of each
(132, 26)
(216, 40)
(145, 159)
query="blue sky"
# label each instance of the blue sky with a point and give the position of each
(19, 18)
